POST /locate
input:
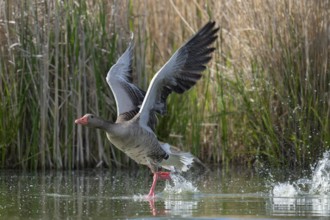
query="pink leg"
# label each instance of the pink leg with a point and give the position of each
(158, 175)
(153, 186)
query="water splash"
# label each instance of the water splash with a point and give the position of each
(285, 190)
(179, 185)
(317, 184)
(309, 192)
(321, 176)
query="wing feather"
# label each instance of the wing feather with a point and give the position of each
(128, 96)
(180, 73)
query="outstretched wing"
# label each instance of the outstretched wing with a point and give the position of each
(128, 96)
(180, 73)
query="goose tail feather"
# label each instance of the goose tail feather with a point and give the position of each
(178, 160)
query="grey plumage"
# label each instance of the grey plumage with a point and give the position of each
(181, 72)
(133, 132)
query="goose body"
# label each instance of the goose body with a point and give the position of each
(145, 150)
(133, 131)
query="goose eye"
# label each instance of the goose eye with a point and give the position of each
(92, 116)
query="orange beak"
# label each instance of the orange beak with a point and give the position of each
(82, 121)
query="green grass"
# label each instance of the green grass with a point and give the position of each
(263, 101)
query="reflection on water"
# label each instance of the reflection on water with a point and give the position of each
(302, 206)
(180, 207)
(122, 194)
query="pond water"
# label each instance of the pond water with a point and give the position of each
(217, 194)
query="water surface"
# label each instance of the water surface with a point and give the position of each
(218, 194)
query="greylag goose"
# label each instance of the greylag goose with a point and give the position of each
(133, 132)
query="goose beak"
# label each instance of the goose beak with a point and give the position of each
(82, 121)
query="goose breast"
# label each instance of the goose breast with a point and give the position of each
(139, 144)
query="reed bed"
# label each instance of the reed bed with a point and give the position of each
(264, 99)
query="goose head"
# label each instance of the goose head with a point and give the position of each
(93, 121)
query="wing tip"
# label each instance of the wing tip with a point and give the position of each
(209, 29)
